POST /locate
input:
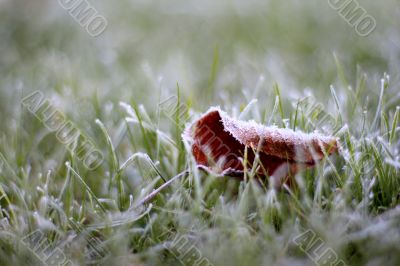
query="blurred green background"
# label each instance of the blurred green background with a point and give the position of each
(216, 50)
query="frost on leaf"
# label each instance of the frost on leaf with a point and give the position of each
(226, 146)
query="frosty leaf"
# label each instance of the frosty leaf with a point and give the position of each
(219, 144)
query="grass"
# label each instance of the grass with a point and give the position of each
(308, 71)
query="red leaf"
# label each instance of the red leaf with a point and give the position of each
(219, 143)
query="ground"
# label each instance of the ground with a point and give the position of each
(128, 90)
